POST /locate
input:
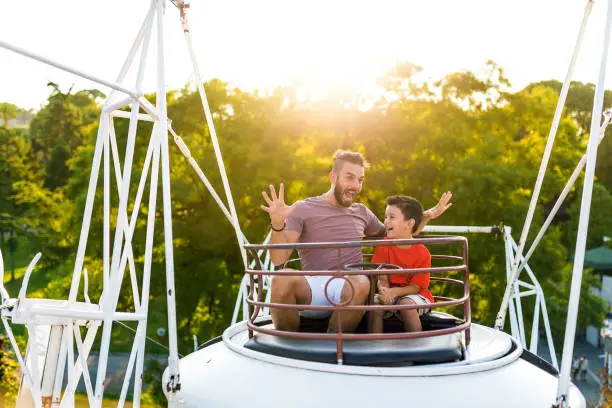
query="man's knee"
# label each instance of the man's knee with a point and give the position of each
(289, 288)
(282, 286)
(358, 286)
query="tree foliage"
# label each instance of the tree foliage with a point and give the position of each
(466, 133)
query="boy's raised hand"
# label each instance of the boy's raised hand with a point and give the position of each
(277, 209)
(443, 205)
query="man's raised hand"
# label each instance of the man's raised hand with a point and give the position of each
(277, 209)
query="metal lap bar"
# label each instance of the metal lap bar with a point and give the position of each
(340, 336)
(414, 271)
(438, 240)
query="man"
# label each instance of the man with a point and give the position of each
(330, 217)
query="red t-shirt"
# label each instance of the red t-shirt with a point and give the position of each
(416, 256)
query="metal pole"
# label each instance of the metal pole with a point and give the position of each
(501, 316)
(455, 229)
(514, 327)
(112, 293)
(44, 60)
(533, 346)
(146, 274)
(585, 208)
(106, 222)
(213, 136)
(173, 366)
(91, 193)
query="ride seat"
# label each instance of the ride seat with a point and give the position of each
(428, 350)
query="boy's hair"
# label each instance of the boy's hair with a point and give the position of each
(342, 156)
(410, 208)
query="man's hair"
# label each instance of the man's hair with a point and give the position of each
(342, 156)
(410, 208)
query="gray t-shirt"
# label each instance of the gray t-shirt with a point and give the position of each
(317, 220)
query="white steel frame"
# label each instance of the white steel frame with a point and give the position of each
(596, 134)
(61, 319)
(65, 317)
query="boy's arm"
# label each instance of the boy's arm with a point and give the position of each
(381, 256)
(400, 291)
(436, 211)
(388, 295)
(383, 281)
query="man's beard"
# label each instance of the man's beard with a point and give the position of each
(339, 192)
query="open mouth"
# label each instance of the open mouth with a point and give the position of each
(349, 195)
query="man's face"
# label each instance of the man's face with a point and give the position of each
(347, 183)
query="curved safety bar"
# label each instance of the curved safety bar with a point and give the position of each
(343, 271)
(26, 277)
(437, 240)
(260, 294)
(347, 272)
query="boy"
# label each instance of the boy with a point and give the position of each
(402, 218)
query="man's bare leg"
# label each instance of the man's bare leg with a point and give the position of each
(350, 320)
(293, 290)
(412, 322)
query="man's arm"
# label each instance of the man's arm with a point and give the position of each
(436, 211)
(374, 228)
(280, 256)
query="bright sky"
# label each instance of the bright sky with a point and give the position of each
(322, 45)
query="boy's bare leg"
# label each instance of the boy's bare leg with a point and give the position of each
(411, 319)
(293, 290)
(350, 320)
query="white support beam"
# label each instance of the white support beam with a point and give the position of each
(126, 115)
(583, 223)
(48, 61)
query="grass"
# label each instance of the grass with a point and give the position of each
(80, 401)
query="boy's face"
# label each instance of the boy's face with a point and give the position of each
(396, 226)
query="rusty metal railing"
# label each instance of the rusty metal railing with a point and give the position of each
(255, 304)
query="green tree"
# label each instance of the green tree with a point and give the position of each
(18, 164)
(60, 127)
(466, 133)
(8, 112)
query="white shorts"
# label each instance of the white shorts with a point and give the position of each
(418, 299)
(317, 295)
